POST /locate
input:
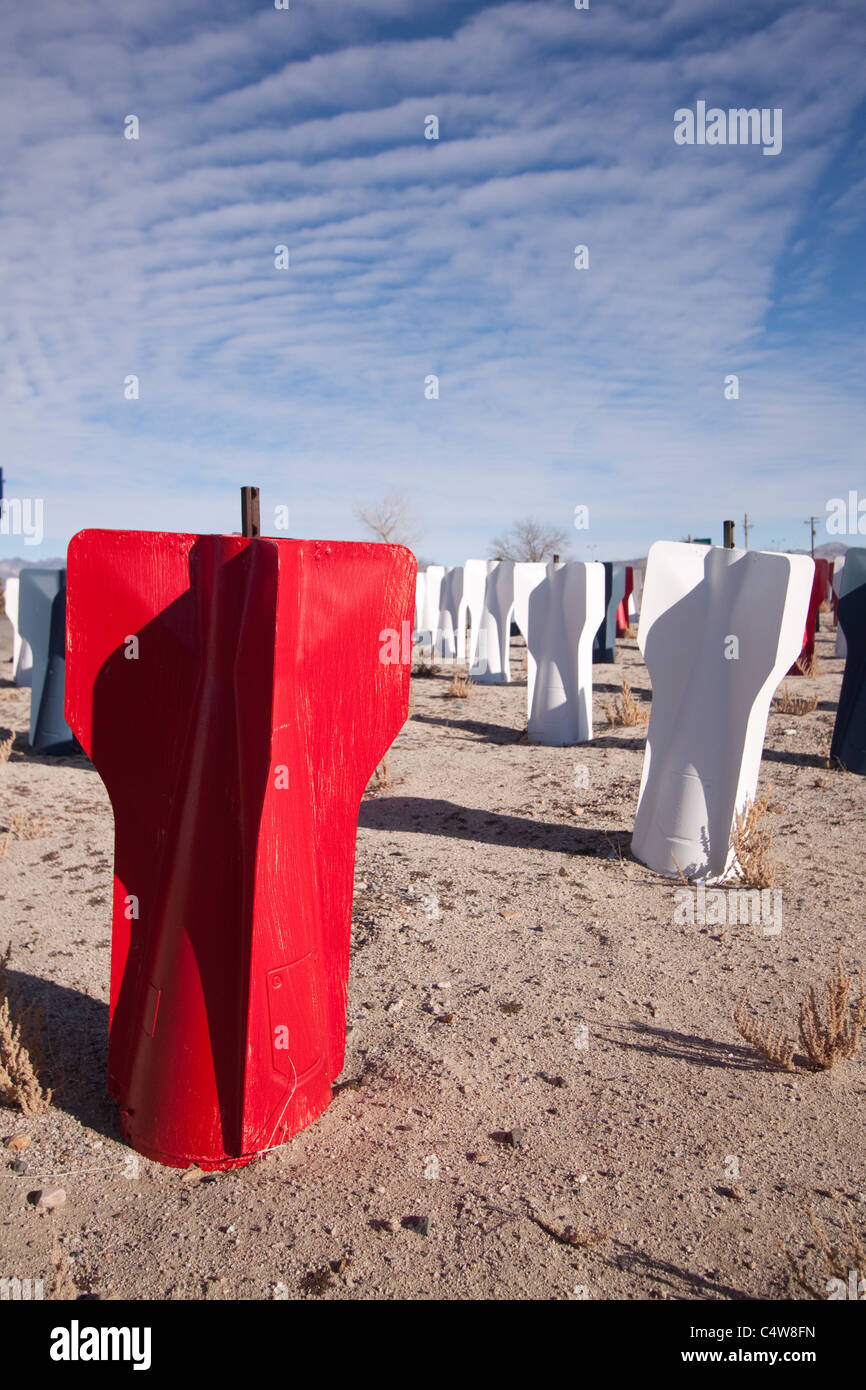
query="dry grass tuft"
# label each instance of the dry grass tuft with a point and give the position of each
(824, 1042)
(752, 841)
(786, 703)
(808, 665)
(25, 825)
(459, 688)
(60, 1285)
(7, 738)
(625, 710)
(19, 1044)
(383, 773)
(772, 1043)
(426, 669)
(840, 1261)
(837, 1039)
(571, 1235)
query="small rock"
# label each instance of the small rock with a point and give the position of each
(420, 1224)
(50, 1199)
(737, 1192)
(517, 1138)
(19, 1166)
(18, 1142)
(193, 1174)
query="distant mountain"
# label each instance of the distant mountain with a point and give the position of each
(10, 569)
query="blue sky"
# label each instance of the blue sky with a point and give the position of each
(410, 257)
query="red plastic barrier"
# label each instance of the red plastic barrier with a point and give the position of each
(622, 610)
(231, 694)
(820, 592)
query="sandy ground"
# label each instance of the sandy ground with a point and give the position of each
(533, 1045)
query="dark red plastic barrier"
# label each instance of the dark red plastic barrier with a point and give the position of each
(622, 610)
(231, 694)
(820, 592)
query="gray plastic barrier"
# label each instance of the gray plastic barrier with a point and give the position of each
(42, 623)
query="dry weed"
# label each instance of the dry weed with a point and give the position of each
(570, 1235)
(19, 1044)
(840, 1262)
(625, 710)
(426, 669)
(772, 1043)
(7, 738)
(383, 773)
(786, 703)
(837, 1039)
(459, 688)
(60, 1285)
(753, 866)
(808, 665)
(25, 825)
(825, 1042)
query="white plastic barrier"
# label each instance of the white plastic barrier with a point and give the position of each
(429, 620)
(419, 601)
(719, 628)
(472, 607)
(558, 609)
(448, 629)
(637, 590)
(461, 597)
(841, 648)
(492, 664)
(22, 656)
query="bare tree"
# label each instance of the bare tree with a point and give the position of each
(529, 540)
(390, 519)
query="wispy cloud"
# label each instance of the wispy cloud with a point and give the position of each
(410, 257)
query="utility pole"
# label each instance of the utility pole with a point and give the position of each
(811, 522)
(746, 531)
